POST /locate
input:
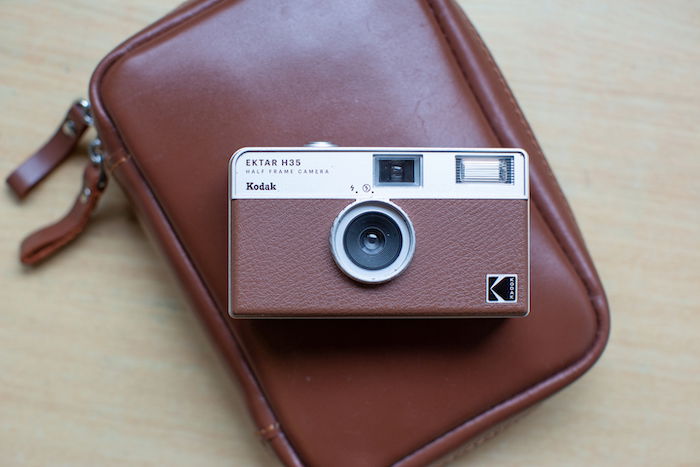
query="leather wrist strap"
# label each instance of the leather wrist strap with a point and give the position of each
(46, 241)
(53, 153)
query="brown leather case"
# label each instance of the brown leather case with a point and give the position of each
(172, 104)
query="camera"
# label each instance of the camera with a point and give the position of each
(323, 232)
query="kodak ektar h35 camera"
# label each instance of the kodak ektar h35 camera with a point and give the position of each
(378, 232)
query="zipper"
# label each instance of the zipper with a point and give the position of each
(44, 242)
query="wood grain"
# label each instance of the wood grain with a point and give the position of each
(101, 364)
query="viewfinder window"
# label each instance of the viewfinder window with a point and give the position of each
(398, 170)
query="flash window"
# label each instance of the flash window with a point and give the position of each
(485, 169)
(398, 170)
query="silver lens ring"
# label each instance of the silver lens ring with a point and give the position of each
(346, 223)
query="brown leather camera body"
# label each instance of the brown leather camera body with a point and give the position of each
(282, 266)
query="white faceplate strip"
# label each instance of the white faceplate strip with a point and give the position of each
(348, 173)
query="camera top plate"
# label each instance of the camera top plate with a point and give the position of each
(340, 173)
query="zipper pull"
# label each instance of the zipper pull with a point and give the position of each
(54, 152)
(46, 241)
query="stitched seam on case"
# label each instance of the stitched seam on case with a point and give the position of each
(270, 431)
(116, 165)
(126, 157)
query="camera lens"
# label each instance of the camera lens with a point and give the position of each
(372, 240)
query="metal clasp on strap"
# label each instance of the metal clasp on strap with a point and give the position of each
(70, 127)
(56, 150)
(97, 158)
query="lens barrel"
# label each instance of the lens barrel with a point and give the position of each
(372, 241)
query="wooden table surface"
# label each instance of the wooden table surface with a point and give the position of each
(102, 364)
